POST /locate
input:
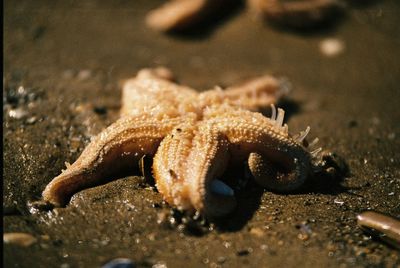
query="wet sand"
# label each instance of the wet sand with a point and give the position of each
(63, 65)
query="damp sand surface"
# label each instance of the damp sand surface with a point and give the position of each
(63, 66)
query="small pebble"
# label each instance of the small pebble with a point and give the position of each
(18, 113)
(84, 74)
(45, 237)
(339, 202)
(120, 263)
(101, 110)
(331, 47)
(303, 236)
(21, 90)
(160, 265)
(39, 205)
(391, 136)
(221, 259)
(243, 252)
(257, 232)
(352, 123)
(20, 239)
(31, 120)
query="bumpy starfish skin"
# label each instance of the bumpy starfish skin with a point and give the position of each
(193, 138)
(111, 153)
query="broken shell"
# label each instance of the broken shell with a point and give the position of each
(20, 239)
(385, 227)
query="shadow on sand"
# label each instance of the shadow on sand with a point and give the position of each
(328, 180)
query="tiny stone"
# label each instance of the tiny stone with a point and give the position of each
(339, 202)
(243, 252)
(221, 259)
(37, 206)
(84, 74)
(161, 217)
(44, 246)
(156, 205)
(21, 90)
(257, 232)
(75, 143)
(226, 244)
(45, 237)
(352, 123)
(101, 110)
(331, 47)
(303, 237)
(160, 265)
(17, 113)
(20, 239)
(152, 236)
(31, 120)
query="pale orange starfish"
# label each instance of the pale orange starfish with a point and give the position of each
(177, 15)
(194, 137)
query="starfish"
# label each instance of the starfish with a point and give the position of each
(194, 137)
(180, 15)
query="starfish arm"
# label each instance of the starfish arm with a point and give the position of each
(181, 15)
(255, 94)
(207, 162)
(112, 153)
(186, 164)
(153, 92)
(270, 176)
(280, 160)
(169, 166)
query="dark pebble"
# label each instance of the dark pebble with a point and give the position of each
(57, 242)
(39, 205)
(194, 228)
(11, 210)
(101, 110)
(156, 205)
(243, 252)
(352, 123)
(38, 32)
